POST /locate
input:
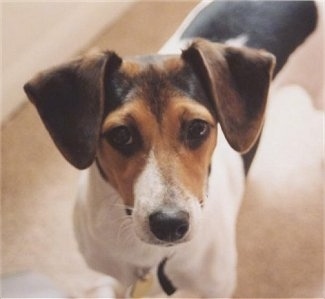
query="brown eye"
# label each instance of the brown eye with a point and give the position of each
(120, 136)
(125, 139)
(197, 131)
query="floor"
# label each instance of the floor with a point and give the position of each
(280, 227)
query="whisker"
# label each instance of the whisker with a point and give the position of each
(125, 225)
(117, 204)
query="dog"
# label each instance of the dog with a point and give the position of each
(167, 141)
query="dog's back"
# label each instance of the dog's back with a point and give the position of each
(276, 26)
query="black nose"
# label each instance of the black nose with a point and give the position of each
(169, 225)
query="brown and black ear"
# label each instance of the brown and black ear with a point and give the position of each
(237, 81)
(70, 101)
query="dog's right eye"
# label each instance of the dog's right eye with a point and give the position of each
(120, 136)
(123, 138)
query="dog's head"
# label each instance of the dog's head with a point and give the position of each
(151, 124)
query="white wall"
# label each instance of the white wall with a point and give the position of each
(37, 35)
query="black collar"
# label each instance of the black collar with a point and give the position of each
(164, 281)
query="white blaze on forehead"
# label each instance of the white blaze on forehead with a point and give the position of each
(152, 192)
(150, 186)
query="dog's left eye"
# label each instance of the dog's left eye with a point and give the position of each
(196, 132)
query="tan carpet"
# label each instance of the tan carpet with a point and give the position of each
(280, 232)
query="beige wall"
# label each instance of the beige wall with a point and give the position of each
(36, 35)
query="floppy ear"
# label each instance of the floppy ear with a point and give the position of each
(70, 100)
(237, 82)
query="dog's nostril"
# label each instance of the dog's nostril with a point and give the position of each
(181, 231)
(169, 225)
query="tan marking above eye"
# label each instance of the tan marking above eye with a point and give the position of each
(188, 110)
(126, 113)
(131, 68)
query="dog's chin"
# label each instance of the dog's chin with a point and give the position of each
(156, 242)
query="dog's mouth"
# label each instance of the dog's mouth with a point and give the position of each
(153, 240)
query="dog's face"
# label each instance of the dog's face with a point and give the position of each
(157, 144)
(151, 124)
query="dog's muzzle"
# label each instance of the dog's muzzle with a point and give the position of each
(169, 225)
